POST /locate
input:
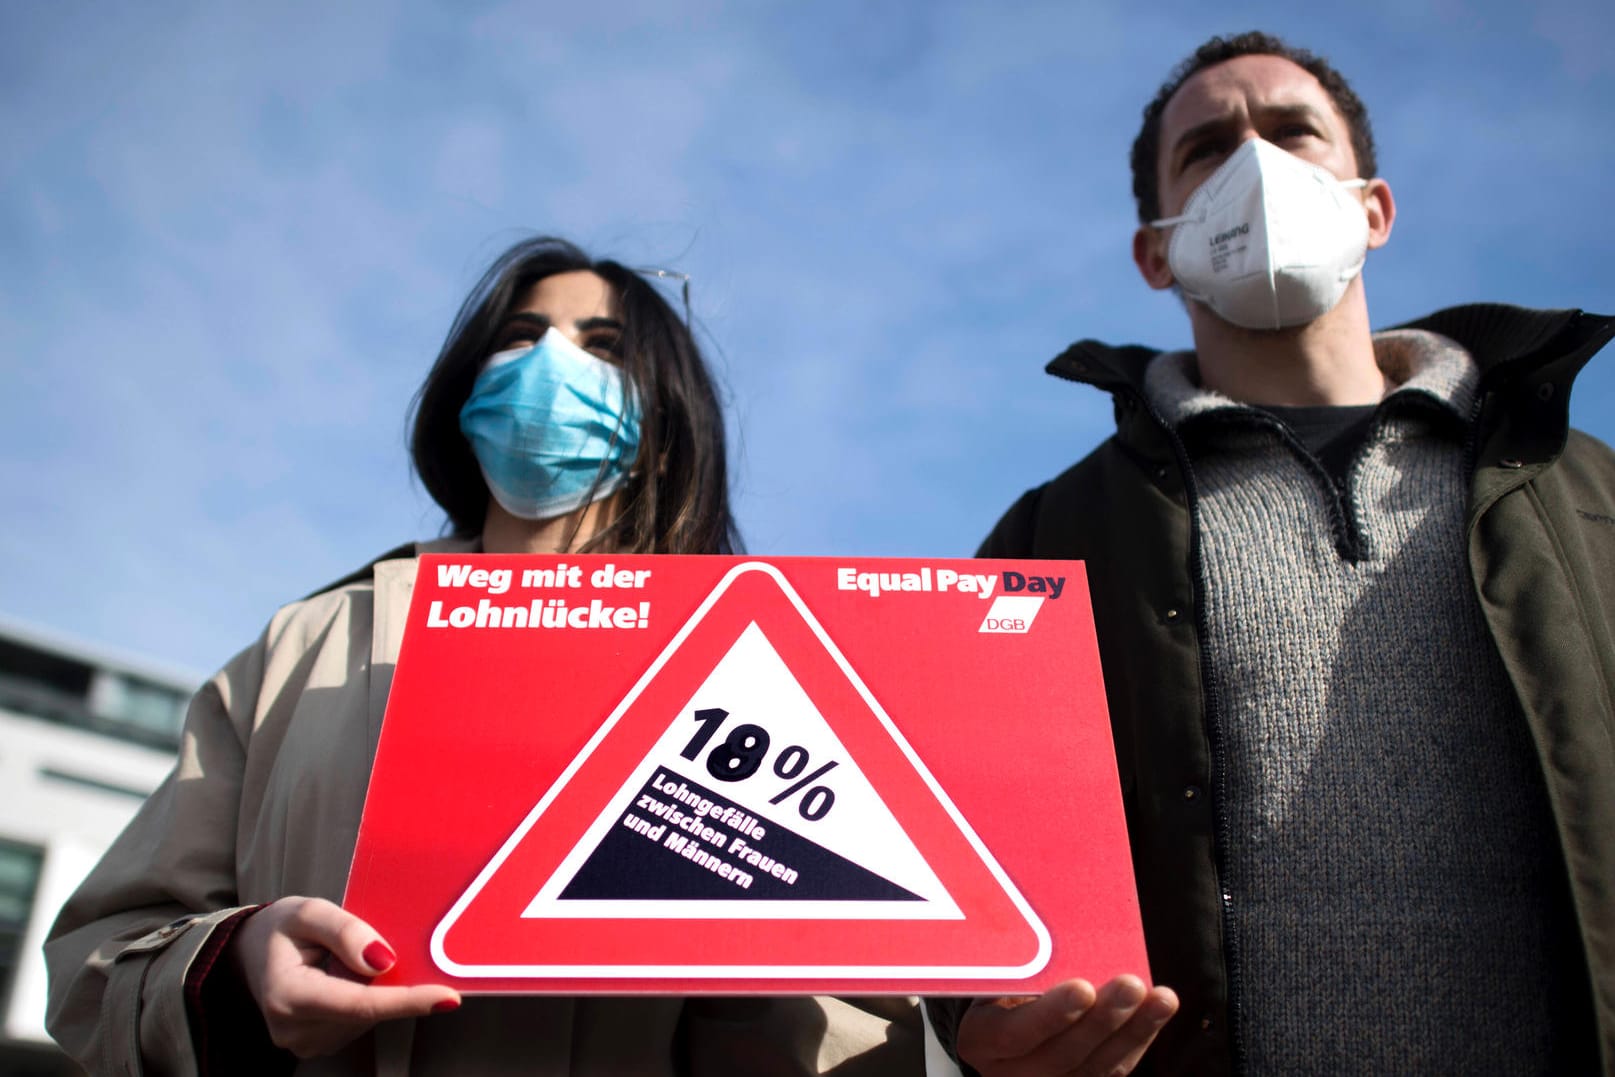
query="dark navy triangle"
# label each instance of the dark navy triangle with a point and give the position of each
(660, 849)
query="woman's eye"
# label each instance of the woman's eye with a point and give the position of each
(516, 336)
(608, 348)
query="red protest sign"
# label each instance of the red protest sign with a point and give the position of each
(719, 774)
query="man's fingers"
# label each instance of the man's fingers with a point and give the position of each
(1074, 1050)
(1011, 1028)
(1120, 1052)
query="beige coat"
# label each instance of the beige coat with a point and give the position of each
(265, 801)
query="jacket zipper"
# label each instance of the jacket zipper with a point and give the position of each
(1213, 720)
(1343, 515)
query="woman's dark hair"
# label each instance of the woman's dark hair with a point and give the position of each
(1146, 154)
(676, 497)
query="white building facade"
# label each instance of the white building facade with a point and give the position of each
(85, 736)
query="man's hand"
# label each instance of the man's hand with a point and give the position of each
(282, 952)
(1071, 1029)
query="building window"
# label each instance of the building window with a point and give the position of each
(84, 692)
(19, 876)
(137, 705)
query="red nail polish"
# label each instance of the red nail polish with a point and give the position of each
(446, 1006)
(379, 956)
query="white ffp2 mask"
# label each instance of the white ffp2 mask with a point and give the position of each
(1268, 240)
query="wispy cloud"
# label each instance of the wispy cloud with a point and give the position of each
(237, 235)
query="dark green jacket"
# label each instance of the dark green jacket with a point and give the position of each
(1541, 526)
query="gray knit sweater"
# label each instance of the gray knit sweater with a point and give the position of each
(1396, 904)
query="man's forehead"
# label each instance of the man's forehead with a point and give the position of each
(1244, 82)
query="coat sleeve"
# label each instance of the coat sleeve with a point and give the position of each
(1012, 536)
(119, 952)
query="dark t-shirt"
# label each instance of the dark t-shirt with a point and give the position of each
(1332, 433)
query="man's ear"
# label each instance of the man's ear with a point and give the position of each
(1149, 254)
(1381, 209)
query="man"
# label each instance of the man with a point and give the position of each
(1355, 596)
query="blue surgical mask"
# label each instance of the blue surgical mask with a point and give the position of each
(552, 427)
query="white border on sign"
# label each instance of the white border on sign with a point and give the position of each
(1045, 945)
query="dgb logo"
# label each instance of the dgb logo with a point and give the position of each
(1011, 614)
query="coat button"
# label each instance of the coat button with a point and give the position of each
(1544, 392)
(1191, 792)
(1173, 615)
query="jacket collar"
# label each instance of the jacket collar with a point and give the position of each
(393, 574)
(1506, 342)
(1416, 363)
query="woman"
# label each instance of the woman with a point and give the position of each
(569, 410)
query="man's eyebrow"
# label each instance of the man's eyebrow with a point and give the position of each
(1201, 131)
(1265, 114)
(1298, 111)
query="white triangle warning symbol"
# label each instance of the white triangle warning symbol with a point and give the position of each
(747, 807)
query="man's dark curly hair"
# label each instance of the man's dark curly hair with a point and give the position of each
(1146, 153)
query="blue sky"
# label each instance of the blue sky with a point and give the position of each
(235, 234)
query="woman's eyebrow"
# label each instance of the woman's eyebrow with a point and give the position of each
(585, 324)
(527, 317)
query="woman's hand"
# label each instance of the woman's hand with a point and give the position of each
(1071, 1029)
(295, 955)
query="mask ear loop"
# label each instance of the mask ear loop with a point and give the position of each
(1168, 222)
